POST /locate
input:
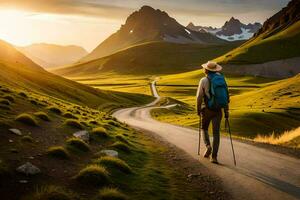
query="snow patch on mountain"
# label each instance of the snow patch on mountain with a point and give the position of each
(246, 34)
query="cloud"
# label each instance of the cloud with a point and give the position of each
(68, 7)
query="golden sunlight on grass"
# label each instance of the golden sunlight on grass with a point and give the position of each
(286, 137)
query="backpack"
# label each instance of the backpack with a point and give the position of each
(219, 97)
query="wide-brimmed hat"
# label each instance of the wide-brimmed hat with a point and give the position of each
(212, 66)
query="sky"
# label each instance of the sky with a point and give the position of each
(88, 22)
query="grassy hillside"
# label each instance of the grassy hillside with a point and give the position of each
(39, 114)
(73, 169)
(258, 105)
(20, 72)
(266, 47)
(150, 58)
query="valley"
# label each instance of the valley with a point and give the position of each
(120, 122)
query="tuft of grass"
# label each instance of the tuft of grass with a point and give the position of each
(73, 123)
(52, 192)
(4, 107)
(69, 115)
(100, 132)
(27, 119)
(121, 146)
(55, 110)
(122, 139)
(111, 194)
(9, 98)
(34, 102)
(27, 138)
(93, 122)
(115, 163)
(42, 116)
(23, 94)
(78, 144)
(285, 138)
(5, 102)
(58, 152)
(95, 175)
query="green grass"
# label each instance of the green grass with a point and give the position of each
(100, 132)
(112, 162)
(94, 175)
(258, 105)
(144, 59)
(111, 194)
(78, 144)
(42, 116)
(267, 47)
(73, 123)
(121, 146)
(52, 192)
(58, 152)
(27, 119)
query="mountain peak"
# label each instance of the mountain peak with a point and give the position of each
(146, 8)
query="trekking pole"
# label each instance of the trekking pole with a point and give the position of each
(229, 131)
(200, 126)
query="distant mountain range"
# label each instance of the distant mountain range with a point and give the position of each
(232, 30)
(149, 25)
(274, 49)
(51, 55)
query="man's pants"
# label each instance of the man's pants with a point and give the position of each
(215, 117)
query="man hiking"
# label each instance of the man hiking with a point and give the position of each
(213, 94)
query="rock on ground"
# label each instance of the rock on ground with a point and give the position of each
(28, 169)
(15, 131)
(111, 153)
(84, 135)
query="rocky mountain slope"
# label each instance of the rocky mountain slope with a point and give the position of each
(148, 25)
(232, 30)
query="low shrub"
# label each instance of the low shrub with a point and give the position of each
(53, 193)
(70, 116)
(58, 152)
(121, 146)
(26, 119)
(93, 175)
(78, 144)
(27, 138)
(9, 98)
(111, 194)
(73, 123)
(42, 116)
(113, 162)
(5, 102)
(55, 110)
(100, 132)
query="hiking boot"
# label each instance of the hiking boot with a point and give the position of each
(214, 160)
(207, 152)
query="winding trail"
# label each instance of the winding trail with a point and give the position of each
(260, 173)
